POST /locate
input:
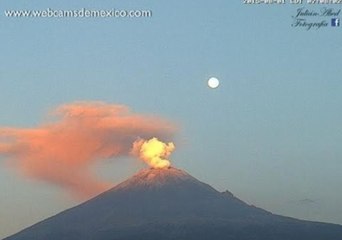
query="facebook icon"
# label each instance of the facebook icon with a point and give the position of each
(335, 22)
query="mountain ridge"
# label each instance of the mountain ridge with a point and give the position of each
(171, 204)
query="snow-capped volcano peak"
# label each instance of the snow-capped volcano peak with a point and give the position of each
(170, 204)
(154, 177)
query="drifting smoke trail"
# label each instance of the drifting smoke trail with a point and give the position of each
(62, 152)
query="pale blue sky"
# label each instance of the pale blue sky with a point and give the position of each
(271, 133)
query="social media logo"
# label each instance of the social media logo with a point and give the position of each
(335, 22)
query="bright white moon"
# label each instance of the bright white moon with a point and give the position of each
(213, 82)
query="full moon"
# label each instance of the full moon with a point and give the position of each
(213, 82)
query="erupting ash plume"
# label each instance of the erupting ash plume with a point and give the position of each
(153, 152)
(62, 151)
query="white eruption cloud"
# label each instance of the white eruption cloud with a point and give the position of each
(153, 152)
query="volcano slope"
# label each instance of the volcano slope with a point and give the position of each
(170, 204)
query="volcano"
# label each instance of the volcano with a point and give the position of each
(170, 204)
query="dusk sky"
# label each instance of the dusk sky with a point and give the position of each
(271, 132)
